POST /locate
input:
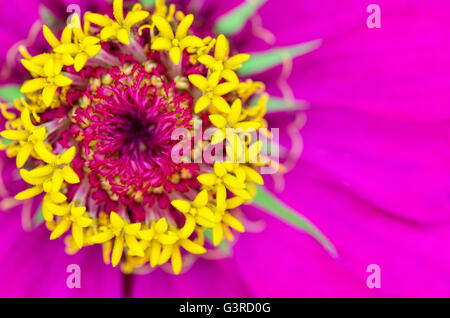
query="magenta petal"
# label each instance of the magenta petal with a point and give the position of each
(399, 71)
(33, 266)
(293, 22)
(413, 257)
(282, 261)
(17, 20)
(402, 168)
(206, 278)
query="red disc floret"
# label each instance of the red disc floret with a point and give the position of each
(125, 137)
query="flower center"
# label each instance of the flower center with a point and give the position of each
(126, 134)
(138, 135)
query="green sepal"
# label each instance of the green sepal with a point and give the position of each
(47, 16)
(277, 104)
(260, 62)
(234, 21)
(38, 217)
(224, 246)
(10, 92)
(5, 142)
(148, 3)
(269, 203)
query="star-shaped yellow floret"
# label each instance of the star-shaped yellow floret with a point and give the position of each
(75, 216)
(46, 68)
(82, 51)
(205, 216)
(26, 137)
(120, 28)
(66, 38)
(198, 209)
(212, 92)
(232, 120)
(50, 177)
(174, 43)
(221, 61)
(84, 47)
(123, 233)
(49, 78)
(221, 179)
(165, 242)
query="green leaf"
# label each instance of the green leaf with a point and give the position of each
(5, 142)
(149, 3)
(47, 16)
(269, 203)
(10, 92)
(38, 217)
(235, 20)
(260, 62)
(224, 246)
(276, 104)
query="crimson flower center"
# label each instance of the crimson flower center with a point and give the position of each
(126, 134)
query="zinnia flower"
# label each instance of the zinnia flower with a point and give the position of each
(92, 140)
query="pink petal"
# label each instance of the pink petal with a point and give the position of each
(33, 266)
(402, 168)
(413, 257)
(398, 71)
(206, 278)
(282, 261)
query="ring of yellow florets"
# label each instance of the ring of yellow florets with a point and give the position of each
(224, 186)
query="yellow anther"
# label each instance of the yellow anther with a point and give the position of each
(233, 222)
(249, 88)
(161, 10)
(52, 204)
(161, 226)
(208, 44)
(63, 58)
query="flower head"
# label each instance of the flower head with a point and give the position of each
(94, 136)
